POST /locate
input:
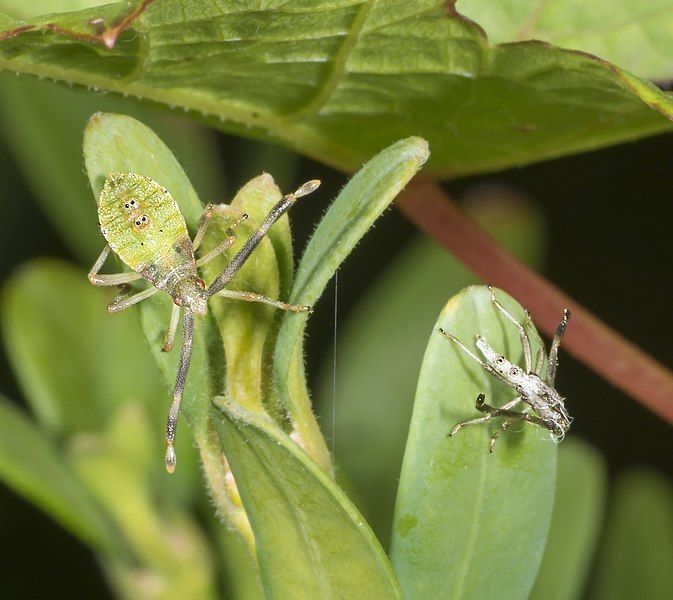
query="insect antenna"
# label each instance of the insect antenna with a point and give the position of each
(556, 342)
(183, 368)
(242, 255)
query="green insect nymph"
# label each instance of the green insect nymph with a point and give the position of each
(143, 225)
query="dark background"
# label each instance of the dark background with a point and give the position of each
(608, 215)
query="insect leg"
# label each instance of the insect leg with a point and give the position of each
(274, 214)
(476, 421)
(100, 261)
(215, 252)
(556, 342)
(203, 225)
(540, 354)
(183, 368)
(515, 418)
(490, 411)
(525, 342)
(464, 348)
(114, 279)
(252, 297)
(109, 280)
(504, 427)
(122, 301)
(169, 340)
(511, 404)
(503, 411)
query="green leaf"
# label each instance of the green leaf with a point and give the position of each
(634, 35)
(311, 541)
(50, 314)
(241, 571)
(359, 204)
(32, 466)
(256, 198)
(35, 8)
(578, 513)
(636, 553)
(118, 467)
(68, 352)
(333, 79)
(49, 150)
(245, 327)
(380, 349)
(469, 524)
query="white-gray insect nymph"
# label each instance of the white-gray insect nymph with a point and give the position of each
(549, 411)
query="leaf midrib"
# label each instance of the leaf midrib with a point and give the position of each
(312, 550)
(340, 60)
(474, 531)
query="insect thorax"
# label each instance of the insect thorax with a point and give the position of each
(543, 398)
(191, 293)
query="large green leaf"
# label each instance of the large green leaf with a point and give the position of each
(241, 573)
(119, 469)
(75, 362)
(635, 557)
(34, 8)
(634, 35)
(311, 541)
(32, 466)
(358, 205)
(578, 511)
(339, 80)
(469, 524)
(380, 349)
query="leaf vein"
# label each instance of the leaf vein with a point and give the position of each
(340, 63)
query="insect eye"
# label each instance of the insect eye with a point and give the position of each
(126, 205)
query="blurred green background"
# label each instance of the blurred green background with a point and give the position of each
(605, 239)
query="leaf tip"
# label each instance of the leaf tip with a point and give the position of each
(96, 121)
(452, 305)
(420, 147)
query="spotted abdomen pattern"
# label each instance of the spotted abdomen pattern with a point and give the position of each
(144, 226)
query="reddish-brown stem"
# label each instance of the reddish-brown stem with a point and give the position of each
(588, 339)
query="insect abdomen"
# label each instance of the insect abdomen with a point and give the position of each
(142, 223)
